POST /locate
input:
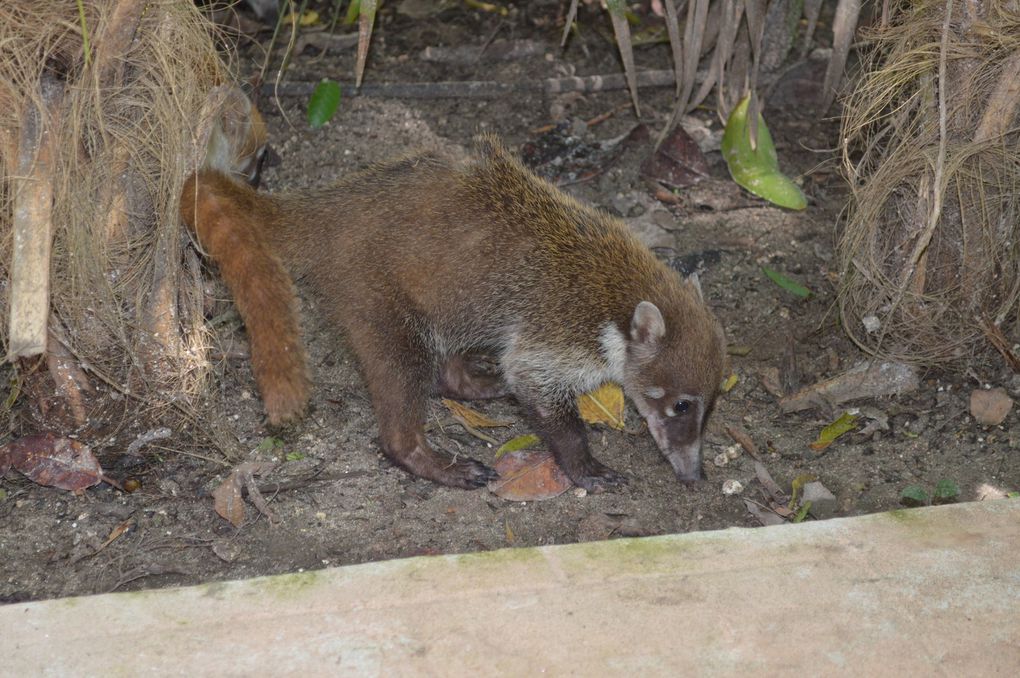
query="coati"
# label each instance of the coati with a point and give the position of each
(421, 260)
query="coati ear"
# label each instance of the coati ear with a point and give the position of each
(695, 284)
(647, 325)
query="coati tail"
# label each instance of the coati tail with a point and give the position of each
(229, 220)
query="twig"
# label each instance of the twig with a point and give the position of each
(741, 438)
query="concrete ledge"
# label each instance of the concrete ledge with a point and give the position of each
(924, 591)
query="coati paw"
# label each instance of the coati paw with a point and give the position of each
(467, 474)
(597, 477)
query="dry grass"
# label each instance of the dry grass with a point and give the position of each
(931, 246)
(126, 290)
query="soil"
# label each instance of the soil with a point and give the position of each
(346, 504)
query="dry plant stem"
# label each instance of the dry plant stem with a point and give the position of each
(843, 28)
(32, 187)
(937, 188)
(1002, 106)
(673, 28)
(483, 89)
(112, 45)
(997, 339)
(69, 380)
(571, 15)
(622, 31)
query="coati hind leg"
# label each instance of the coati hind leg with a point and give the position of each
(460, 377)
(399, 373)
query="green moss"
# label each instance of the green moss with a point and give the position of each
(289, 585)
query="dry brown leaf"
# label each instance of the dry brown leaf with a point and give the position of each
(529, 475)
(604, 405)
(49, 459)
(228, 498)
(473, 418)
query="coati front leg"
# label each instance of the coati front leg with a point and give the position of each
(460, 378)
(553, 415)
(562, 430)
(399, 372)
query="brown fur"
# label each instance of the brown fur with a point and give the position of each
(225, 216)
(423, 259)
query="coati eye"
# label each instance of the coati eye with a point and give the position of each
(681, 406)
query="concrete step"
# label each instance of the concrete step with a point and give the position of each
(932, 591)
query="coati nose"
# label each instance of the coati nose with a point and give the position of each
(686, 463)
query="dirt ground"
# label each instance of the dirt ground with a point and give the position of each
(346, 504)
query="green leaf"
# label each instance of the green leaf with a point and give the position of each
(913, 495)
(323, 103)
(353, 10)
(519, 443)
(946, 492)
(847, 422)
(756, 168)
(269, 445)
(788, 284)
(1013, 495)
(295, 456)
(802, 512)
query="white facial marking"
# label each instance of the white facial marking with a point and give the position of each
(655, 392)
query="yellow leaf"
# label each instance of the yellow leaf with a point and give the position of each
(473, 417)
(847, 422)
(307, 18)
(519, 443)
(730, 382)
(604, 405)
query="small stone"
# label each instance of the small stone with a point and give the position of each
(823, 502)
(871, 324)
(721, 459)
(580, 492)
(990, 407)
(731, 487)
(732, 452)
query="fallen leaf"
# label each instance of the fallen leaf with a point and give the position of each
(473, 418)
(867, 380)
(770, 485)
(529, 475)
(990, 407)
(604, 405)
(116, 533)
(519, 443)
(678, 161)
(307, 18)
(846, 422)
(755, 166)
(730, 382)
(787, 283)
(762, 514)
(228, 498)
(49, 459)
